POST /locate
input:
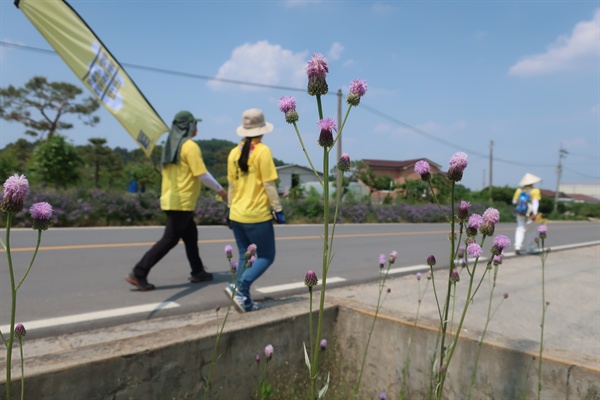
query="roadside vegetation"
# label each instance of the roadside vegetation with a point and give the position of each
(95, 185)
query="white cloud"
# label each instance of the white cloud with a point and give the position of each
(336, 50)
(566, 53)
(262, 63)
(459, 125)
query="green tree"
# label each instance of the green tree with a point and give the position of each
(15, 158)
(40, 105)
(104, 165)
(56, 162)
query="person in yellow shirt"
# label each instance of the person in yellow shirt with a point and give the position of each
(253, 204)
(527, 201)
(183, 172)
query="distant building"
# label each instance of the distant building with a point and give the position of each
(400, 171)
(586, 189)
(292, 175)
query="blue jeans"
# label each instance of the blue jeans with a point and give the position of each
(262, 235)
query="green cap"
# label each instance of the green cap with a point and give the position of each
(185, 116)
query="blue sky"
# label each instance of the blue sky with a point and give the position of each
(443, 76)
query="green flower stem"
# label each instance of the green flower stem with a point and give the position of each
(13, 309)
(22, 370)
(315, 363)
(37, 246)
(319, 107)
(310, 321)
(444, 321)
(544, 307)
(339, 133)
(440, 206)
(437, 301)
(379, 304)
(306, 153)
(220, 332)
(452, 347)
(490, 316)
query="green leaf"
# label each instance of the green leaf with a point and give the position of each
(324, 389)
(307, 360)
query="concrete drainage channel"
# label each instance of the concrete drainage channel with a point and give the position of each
(169, 359)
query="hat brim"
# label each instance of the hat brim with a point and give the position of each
(529, 179)
(254, 132)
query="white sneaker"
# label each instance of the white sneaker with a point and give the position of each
(239, 300)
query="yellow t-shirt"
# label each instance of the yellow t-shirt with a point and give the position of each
(535, 194)
(250, 203)
(180, 184)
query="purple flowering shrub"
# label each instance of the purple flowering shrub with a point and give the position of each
(210, 211)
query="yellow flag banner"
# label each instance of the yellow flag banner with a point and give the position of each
(95, 66)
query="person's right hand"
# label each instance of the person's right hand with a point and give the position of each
(279, 217)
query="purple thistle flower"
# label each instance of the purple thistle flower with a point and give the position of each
(443, 368)
(41, 213)
(250, 251)
(497, 260)
(317, 66)
(463, 210)
(16, 189)
(389, 290)
(358, 88)
(491, 215)
(455, 276)
(419, 276)
(458, 163)
(20, 331)
(543, 231)
(500, 243)
(327, 127)
(287, 105)
(382, 260)
(250, 261)
(422, 167)
(234, 266)
(311, 279)
(475, 222)
(323, 344)
(431, 261)
(474, 250)
(257, 358)
(382, 396)
(218, 308)
(317, 70)
(228, 251)
(269, 352)
(429, 275)
(393, 256)
(344, 163)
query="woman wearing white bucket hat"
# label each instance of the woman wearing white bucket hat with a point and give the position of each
(253, 203)
(527, 201)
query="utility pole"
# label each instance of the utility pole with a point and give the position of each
(491, 166)
(561, 154)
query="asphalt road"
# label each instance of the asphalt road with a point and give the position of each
(76, 282)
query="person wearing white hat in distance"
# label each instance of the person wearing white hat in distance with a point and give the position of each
(524, 219)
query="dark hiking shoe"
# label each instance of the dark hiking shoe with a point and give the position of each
(201, 277)
(140, 283)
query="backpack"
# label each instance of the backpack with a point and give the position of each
(523, 202)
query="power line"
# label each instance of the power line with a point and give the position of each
(267, 86)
